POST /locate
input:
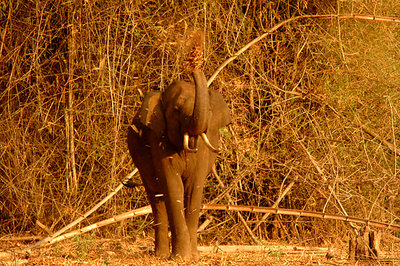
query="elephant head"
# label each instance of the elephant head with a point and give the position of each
(185, 111)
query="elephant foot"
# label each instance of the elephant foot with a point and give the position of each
(162, 255)
(187, 259)
(192, 257)
(183, 255)
(162, 252)
(196, 255)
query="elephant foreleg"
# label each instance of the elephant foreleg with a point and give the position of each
(193, 198)
(161, 241)
(179, 230)
(176, 215)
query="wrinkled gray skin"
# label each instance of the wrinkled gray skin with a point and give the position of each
(172, 175)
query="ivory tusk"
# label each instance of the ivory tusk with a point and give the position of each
(186, 143)
(207, 142)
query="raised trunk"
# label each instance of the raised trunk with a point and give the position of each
(199, 121)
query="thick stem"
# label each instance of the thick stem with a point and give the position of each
(201, 104)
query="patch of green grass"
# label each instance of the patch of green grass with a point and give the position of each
(83, 245)
(275, 253)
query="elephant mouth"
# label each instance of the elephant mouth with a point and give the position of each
(195, 149)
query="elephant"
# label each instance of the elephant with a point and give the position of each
(172, 142)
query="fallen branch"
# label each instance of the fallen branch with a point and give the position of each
(20, 238)
(117, 218)
(147, 210)
(302, 213)
(247, 46)
(62, 230)
(264, 248)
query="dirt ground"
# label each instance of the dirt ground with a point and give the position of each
(91, 251)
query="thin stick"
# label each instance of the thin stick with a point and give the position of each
(62, 230)
(247, 46)
(3, 37)
(72, 179)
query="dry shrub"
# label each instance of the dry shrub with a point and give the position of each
(77, 71)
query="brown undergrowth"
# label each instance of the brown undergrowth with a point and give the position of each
(73, 73)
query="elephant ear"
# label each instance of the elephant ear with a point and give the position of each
(151, 114)
(221, 114)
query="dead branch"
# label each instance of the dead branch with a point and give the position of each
(264, 248)
(302, 213)
(137, 212)
(19, 238)
(203, 226)
(147, 209)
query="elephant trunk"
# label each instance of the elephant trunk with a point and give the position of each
(199, 121)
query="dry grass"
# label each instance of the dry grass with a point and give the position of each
(130, 251)
(88, 250)
(75, 72)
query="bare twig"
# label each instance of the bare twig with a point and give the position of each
(3, 37)
(44, 227)
(203, 226)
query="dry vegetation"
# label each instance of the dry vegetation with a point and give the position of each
(73, 73)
